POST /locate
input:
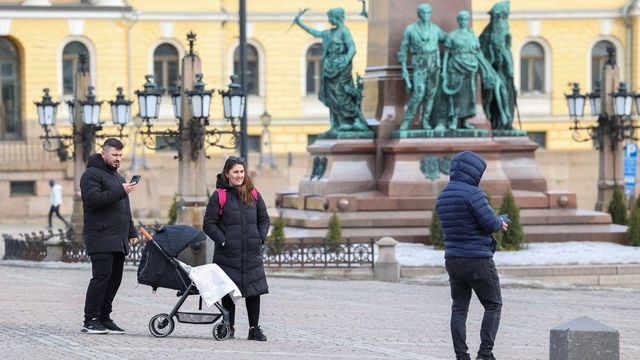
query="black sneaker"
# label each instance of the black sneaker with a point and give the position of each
(112, 327)
(232, 331)
(94, 326)
(255, 333)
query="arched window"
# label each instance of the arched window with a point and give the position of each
(314, 67)
(71, 65)
(9, 90)
(253, 69)
(532, 68)
(165, 66)
(599, 57)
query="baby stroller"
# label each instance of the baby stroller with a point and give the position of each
(159, 268)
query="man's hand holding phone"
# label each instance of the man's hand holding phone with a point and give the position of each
(505, 221)
(130, 186)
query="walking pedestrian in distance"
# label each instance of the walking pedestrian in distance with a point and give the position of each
(55, 200)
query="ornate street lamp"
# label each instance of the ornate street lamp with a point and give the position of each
(120, 109)
(90, 114)
(176, 101)
(595, 102)
(575, 103)
(233, 101)
(200, 101)
(149, 100)
(90, 109)
(622, 101)
(266, 153)
(47, 110)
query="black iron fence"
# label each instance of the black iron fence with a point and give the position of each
(32, 247)
(323, 254)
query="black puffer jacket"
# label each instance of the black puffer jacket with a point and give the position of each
(107, 215)
(238, 234)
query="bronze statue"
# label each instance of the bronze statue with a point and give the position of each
(495, 42)
(463, 60)
(421, 40)
(337, 89)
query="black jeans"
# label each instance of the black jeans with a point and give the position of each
(107, 275)
(56, 210)
(479, 275)
(253, 309)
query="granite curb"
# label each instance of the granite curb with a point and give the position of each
(616, 275)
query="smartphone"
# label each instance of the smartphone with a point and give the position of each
(135, 179)
(505, 218)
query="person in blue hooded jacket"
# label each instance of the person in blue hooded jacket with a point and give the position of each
(467, 223)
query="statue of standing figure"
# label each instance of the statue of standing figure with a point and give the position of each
(421, 40)
(337, 89)
(463, 60)
(495, 41)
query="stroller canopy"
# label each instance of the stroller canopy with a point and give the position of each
(159, 270)
(175, 238)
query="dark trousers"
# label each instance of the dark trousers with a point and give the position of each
(253, 309)
(479, 275)
(56, 210)
(107, 275)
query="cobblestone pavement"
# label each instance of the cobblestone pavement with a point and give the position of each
(41, 318)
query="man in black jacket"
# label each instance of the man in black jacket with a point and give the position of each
(108, 233)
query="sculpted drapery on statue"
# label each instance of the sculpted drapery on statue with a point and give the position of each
(463, 60)
(420, 39)
(337, 89)
(495, 41)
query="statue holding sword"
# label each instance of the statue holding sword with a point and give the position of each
(337, 88)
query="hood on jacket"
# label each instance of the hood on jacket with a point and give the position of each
(96, 160)
(222, 184)
(467, 167)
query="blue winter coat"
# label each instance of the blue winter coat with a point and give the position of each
(465, 214)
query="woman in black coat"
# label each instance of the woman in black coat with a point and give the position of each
(239, 229)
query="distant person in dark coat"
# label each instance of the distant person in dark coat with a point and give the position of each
(239, 229)
(467, 222)
(108, 233)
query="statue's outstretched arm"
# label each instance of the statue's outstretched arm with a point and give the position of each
(313, 32)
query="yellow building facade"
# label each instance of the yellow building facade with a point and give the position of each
(553, 43)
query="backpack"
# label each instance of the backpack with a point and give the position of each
(222, 197)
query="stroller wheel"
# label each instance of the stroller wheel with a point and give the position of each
(221, 331)
(161, 325)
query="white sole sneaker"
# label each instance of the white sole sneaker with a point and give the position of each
(91, 331)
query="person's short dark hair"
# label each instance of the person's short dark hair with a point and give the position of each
(52, 182)
(113, 143)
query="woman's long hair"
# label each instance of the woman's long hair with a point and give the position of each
(244, 190)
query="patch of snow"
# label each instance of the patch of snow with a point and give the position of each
(534, 254)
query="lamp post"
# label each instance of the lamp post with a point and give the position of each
(266, 155)
(242, 16)
(84, 117)
(612, 106)
(191, 103)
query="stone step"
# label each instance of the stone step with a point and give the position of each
(607, 273)
(562, 216)
(577, 232)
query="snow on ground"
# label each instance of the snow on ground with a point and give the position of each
(534, 254)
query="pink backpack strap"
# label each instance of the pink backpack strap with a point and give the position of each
(222, 199)
(254, 194)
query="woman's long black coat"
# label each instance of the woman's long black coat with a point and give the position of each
(238, 234)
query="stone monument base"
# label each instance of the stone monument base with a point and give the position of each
(401, 202)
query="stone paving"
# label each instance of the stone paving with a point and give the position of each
(41, 318)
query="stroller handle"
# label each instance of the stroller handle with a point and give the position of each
(145, 233)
